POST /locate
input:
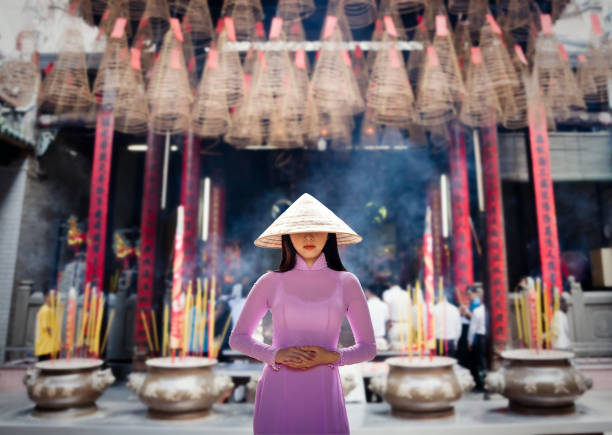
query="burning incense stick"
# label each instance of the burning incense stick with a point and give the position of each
(517, 311)
(146, 328)
(108, 327)
(99, 324)
(211, 318)
(154, 325)
(177, 267)
(165, 338)
(225, 328)
(70, 322)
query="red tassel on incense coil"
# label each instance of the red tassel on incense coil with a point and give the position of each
(66, 87)
(290, 10)
(210, 113)
(389, 93)
(360, 13)
(432, 10)
(115, 62)
(169, 93)
(245, 14)
(115, 9)
(480, 106)
(443, 43)
(157, 16)
(592, 76)
(335, 18)
(435, 103)
(131, 109)
(197, 23)
(555, 78)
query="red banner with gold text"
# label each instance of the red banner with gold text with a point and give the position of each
(98, 199)
(496, 243)
(545, 199)
(463, 268)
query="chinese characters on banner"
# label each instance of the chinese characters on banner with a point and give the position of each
(496, 244)
(98, 199)
(545, 199)
(190, 185)
(463, 269)
(148, 233)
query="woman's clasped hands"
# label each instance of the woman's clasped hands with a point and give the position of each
(304, 357)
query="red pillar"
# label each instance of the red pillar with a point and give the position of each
(190, 187)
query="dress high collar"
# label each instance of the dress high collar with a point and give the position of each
(320, 263)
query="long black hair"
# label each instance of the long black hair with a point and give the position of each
(330, 250)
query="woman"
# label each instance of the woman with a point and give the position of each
(309, 295)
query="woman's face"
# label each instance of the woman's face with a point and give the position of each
(309, 245)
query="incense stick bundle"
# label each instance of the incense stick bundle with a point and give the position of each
(108, 328)
(146, 328)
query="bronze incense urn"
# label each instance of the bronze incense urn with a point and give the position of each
(422, 387)
(183, 389)
(538, 382)
(65, 388)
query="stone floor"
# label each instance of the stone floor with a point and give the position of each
(120, 412)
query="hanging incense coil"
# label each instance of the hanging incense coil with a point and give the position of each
(416, 58)
(19, 83)
(592, 76)
(476, 15)
(245, 128)
(333, 84)
(232, 73)
(555, 78)
(376, 37)
(131, 110)
(290, 10)
(245, 14)
(336, 11)
(435, 103)
(433, 9)
(115, 62)
(480, 107)
(169, 93)
(443, 43)
(389, 93)
(157, 16)
(210, 112)
(359, 13)
(66, 87)
(294, 30)
(190, 62)
(197, 23)
(520, 18)
(144, 41)
(463, 46)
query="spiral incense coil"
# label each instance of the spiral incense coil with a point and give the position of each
(433, 9)
(232, 74)
(210, 112)
(336, 11)
(144, 41)
(197, 23)
(435, 103)
(555, 78)
(131, 110)
(286, 126)
(115, 62)
(157, 16)
(360, 13)
(245, 14)
(377, 36)
(520, 17)
(592, 76)
(480, 107)
(496, 58)
(333, 83)
(170, 96)
(19, 83)
(293, 30)
(290, 10)
(245, 128)
(416, 58)
(66, 87)
(389, 93)
(445, 50)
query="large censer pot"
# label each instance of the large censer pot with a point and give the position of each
(66, 388)
(183, 389)
(422, 387)
(538, 382)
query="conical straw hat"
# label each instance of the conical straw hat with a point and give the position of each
(306, 214)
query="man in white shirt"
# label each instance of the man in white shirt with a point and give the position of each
(477, 342)
(379, 313)
(560, 326)
(398, 303)
(447, 327)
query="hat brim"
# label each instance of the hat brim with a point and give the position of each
(276, 241)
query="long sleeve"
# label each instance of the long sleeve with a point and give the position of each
(255, 307)
(359, 318)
